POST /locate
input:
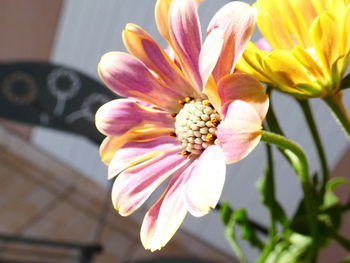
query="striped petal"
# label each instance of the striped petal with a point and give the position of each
(210, 53)
(237, 20)
(239, 132)
(162, 17)
(240, 86)
(117, 117)
(129, 77)
(208, 59)
(111, 144)
(135, 152)
(166, 215)
(133, 186)
(206, 182)
(186, 39)
(141, 45)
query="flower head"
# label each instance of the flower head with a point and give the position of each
(184, 118)
(310, 46)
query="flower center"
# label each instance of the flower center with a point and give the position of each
(195, 126)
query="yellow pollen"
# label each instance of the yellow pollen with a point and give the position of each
(215, 121)
(181, 102)
(210, 137)
(206, 103)
(185, 153)
(188, 99)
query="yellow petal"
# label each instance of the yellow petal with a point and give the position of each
(251, 63)
(308, 62)
(345, 31)
(299, 15)
(286, 71)
(319, 5)
(273, 26)
(326, 41)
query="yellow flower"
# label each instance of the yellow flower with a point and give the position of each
(310, 46)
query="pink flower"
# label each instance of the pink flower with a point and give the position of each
(183, 119)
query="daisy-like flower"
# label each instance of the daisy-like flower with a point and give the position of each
(184, 118)
(309, 46)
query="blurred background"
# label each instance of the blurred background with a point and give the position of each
(54, 193)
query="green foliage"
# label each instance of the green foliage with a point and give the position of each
(266, 188)
(346, 260)
(330, 199)
(291, 250)
(240, 218)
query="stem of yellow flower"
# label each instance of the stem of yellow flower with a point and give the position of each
(335, 103)
(305, 106)
(300, 164)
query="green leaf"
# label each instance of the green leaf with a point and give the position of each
(346, 260)
(239, 218)
(268, 199)
(291, 250)
(228, 218)
(226, 212)
(330, 199)
(248, 232)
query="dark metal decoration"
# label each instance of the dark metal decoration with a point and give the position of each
(60, 98)
(53, 96)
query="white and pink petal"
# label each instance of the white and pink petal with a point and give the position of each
(133, 186)
(205, 184)
(186, 39)
(240, 86)
(165, 217)
(237, 19)
(240, 131)
(210, 53)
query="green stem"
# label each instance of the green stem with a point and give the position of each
(271, 182)
(272, 121)
(271, 188)
(335, 103)
(271, 118)
(300, 164)
(305, 106)
(345, 207)
(345, 243)
(230, 235)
